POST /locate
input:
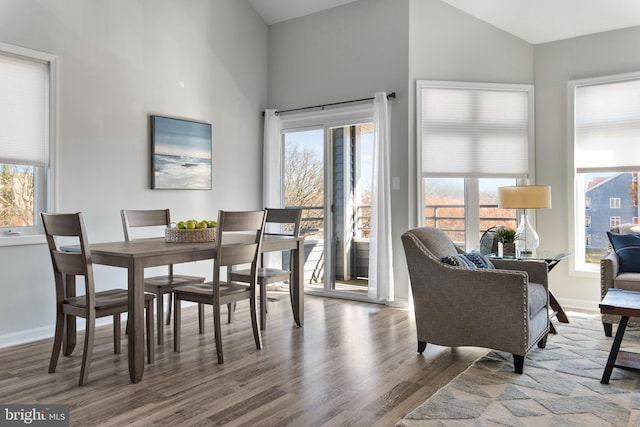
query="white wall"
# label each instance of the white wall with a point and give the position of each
(613, 52)
(119, 62)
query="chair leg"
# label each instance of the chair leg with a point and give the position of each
(150, 340)
(176, 324)
(421, 346)
(218, 331)
(263, 305)
(69, 339)
(543, 341)
(160, 316)
(116, 333)
(608, 329)
(254, 320)
(518, 363)
(89, 335)
(169, 307)
(201, 318)
(57, 342)
(231, 308)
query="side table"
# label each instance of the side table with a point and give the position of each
(625, 304)
(552, 259)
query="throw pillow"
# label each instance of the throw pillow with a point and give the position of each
(627, 247)
(469, 260)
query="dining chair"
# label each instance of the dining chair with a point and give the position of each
(238, 243)
(67, 265)
(280, 222)
(143, 221)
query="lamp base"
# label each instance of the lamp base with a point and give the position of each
(527, 239)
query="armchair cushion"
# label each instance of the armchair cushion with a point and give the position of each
(470, 260)
(627, 247)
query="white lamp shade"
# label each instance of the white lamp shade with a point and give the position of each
(524, 197)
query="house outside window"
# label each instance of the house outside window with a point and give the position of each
(27, 85)
(461, 128)
(604, 136)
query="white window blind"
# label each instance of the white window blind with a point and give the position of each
(607, 126)
(23, 113)
(474, 131)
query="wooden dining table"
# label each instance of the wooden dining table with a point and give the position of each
(136, 255)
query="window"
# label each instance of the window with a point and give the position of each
(614, 221)
(472, 139)
(606, 156)
(587, 221)
(27, 85)
(614, 202)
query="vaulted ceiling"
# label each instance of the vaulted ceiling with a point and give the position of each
(535, 21)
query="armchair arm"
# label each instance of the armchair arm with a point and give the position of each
(537, 270)
(608, 271)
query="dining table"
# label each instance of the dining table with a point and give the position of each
(136, 255)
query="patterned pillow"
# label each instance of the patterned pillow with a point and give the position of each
(470, 260)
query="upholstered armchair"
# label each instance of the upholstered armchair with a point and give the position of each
(502, 307)
(611, 276)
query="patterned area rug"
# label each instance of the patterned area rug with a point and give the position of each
(560, 385)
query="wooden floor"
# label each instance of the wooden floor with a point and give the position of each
(352, 364)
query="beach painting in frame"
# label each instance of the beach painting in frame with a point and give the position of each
(181, 154)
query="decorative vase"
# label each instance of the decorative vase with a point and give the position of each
(509, 250)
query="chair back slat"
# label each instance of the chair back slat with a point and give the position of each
(143, 218)
(284, 217)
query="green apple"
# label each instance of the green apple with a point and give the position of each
(191, 224)
(212, 224)
(181, 225)
(201, 224)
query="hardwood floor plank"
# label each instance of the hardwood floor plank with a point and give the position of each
(352, 364)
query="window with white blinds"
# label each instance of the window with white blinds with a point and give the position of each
(24, 85)
(474, 129)
(27, 127)
(607, 125)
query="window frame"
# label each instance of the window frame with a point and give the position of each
(45, 177)
(578, 267)
(472, 216)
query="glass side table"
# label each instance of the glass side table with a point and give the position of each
(552, 259)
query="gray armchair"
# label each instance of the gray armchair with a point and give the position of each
(505, 308)
(611, 278)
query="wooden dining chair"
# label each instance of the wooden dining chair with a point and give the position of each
(238, 243)
(280, 222)
(164, 284)
(67, 265)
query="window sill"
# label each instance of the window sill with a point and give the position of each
(29, 239)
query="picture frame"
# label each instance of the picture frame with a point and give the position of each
(181, 154)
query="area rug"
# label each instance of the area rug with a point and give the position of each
(560, 386)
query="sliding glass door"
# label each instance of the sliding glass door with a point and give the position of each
(328, 173)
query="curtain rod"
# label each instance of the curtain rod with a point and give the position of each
(392, 95)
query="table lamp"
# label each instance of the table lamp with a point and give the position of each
(525, 197)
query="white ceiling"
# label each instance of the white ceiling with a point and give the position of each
(535, 21)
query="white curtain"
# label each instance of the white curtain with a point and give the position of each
(380, 251)
(272, 161)
(272, 175)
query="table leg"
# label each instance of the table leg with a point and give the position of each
(615, 347)
(136, 322)
(555, 305)
(296, 288)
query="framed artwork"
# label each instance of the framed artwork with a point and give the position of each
(180, 154)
